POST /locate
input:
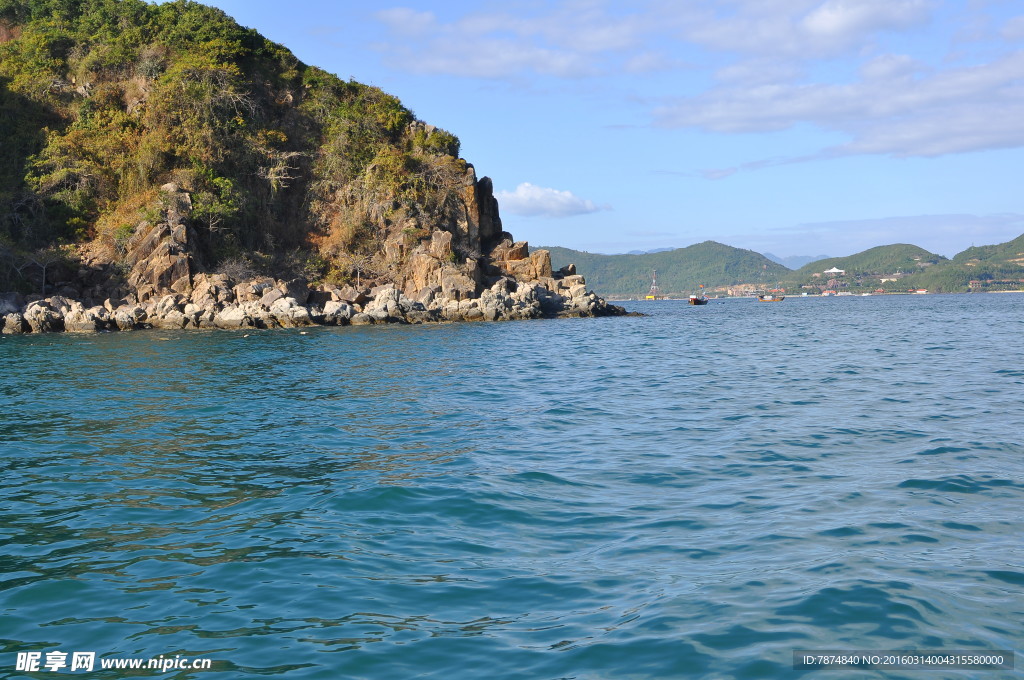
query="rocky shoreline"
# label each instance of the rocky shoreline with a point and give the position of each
(216, 302)
(160, 285)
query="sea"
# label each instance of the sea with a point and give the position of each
(729, 491)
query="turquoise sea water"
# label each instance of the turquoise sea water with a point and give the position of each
(691, 494)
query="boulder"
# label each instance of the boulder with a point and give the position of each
(567, 270)
(456, 285)
(172, 319)
(159, 258)
(81, 320)
(297, 289)
(13, 323)
(423, 270)
(290, 314)
(233, 317)
(60, 304)
(360, 319)
(336, 313)
(352, 296)
(129, 317)
(271, 296)
(41, 319)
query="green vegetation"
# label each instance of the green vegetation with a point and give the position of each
(876, 261)
(680, 271)
(902, 267)
(894, 268)
(103, 101)
(866, 270)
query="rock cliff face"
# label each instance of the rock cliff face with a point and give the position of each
(163, 288)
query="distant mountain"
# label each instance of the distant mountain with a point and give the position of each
(645, 252)
(680, 270)
(981, 268)
(1009, 253)
(880, 260)
(795, 261)
(902, 267)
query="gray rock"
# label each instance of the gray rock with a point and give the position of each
(297, 289)
(13, 324)
(270, 297)
(289, 313)
(361, 319)
(129, 317)
(42, 319)
(170, 320)
(233, 317)
(336, 313)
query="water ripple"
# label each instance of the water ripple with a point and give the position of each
(694, 493)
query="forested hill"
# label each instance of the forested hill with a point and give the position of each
(680, 271)
(112, 110)
(879, 260)
(903, 267)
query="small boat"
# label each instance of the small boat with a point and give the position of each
(770, 295)
(699, 298)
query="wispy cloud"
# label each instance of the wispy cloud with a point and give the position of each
(897, 108)
(529, 200)
(799, 29)
(943, 234)
(763, 59)
(568, 40)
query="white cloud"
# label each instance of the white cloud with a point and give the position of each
(598, 37)
(491, 58)
(758, 72)
(848, 21)
(568, 40)
(1014, 29)
(775, 65)
(896, 109)
(408, 22)
(799, 28)
(529, 200)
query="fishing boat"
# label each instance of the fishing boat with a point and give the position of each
(699, 298)
(770, 296)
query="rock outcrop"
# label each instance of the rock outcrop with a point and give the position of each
(215, 302)
(434, 281)
(159, 255)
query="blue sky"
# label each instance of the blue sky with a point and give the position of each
(796, 127)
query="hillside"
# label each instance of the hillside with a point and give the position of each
(877, 261)
(980, 268)
(150, 147)
(680, 271)
(902, 267)
(110, 100)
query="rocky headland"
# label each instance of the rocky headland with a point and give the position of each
(162, 288)
(164, 167)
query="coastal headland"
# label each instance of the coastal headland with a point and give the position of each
(165, 167)
(162, 289)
